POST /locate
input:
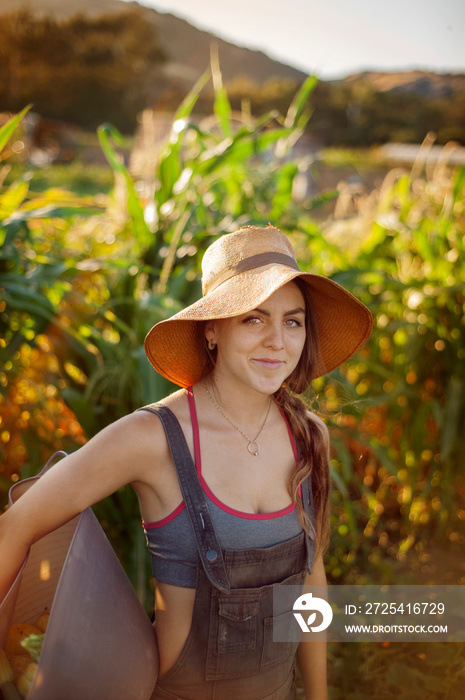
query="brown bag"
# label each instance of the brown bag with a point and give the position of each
(99, 642)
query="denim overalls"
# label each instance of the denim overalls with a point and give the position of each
(229, 653)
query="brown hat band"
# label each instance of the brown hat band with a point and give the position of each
(249, 264)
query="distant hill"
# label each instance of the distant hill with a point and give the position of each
(422, 83)
(187, 48)
(361, 110)
(188, 51)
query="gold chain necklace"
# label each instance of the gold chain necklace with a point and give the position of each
(252, 445)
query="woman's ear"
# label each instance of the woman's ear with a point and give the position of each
(210, 331)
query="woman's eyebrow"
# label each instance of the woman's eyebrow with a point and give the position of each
(298, 310)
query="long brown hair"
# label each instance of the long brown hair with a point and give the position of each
(314, 457)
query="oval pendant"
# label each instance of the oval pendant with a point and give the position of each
(254, 448)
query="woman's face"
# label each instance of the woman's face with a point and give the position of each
(262, 347)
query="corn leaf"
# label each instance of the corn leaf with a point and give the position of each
(8, 129)
(106, 134)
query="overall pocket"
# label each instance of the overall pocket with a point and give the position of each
(237, 623)
(234, 643)
(241, 632)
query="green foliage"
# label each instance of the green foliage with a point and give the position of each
(10, 127)
(411, 671)
(30, 287)
(81, 286)
(399, 437)
(354, 113)
(83, 179)
(273, 94)
(88, 304)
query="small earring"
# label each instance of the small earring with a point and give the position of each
(211, 345)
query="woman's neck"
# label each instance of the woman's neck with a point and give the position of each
(242, 403)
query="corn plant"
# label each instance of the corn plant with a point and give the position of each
(209, 177)
(95, 285)
(35, 277)
(397, 462)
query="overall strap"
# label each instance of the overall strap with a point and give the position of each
(207, 542)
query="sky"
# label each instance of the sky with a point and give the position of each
(334, 38)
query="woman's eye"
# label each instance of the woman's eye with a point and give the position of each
(293, 322)
(252, 320)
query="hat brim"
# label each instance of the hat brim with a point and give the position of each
(175, 346)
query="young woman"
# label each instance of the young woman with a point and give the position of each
(231, 471)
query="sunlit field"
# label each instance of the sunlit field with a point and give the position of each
(94, 254)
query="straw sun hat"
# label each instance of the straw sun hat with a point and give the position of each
(240, 271)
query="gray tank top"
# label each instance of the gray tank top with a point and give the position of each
(171, 541)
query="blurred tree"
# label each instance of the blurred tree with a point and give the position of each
(273, 94)
(81, 70)
(357, 114)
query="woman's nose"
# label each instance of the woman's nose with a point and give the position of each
(275, 337)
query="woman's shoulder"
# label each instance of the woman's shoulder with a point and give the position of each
(175, 402)
(147, 418)
(145, 422)
(148, 425)
(139, 432)
(133, 444)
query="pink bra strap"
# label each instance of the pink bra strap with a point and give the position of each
(291, 436)
(195, 428)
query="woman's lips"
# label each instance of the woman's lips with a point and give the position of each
(268, 363)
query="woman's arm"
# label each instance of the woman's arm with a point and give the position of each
(120, 454)
(311, 656)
